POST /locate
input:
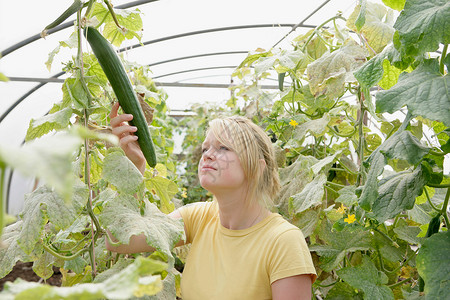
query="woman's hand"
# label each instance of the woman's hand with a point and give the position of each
(127, 139)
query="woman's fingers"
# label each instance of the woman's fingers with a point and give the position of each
(123, 130)
(114, 110)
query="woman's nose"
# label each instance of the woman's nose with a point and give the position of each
(209, 154)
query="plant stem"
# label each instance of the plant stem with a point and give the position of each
(87, 165)
(360, 125)
(2, 200)
(63, 257)
(113, 14)
(429, 200)
(399, 283)
(317, 29)
(340, 134)
(443, 55)
(439, 186)
(444, 208)
(394, 243)
(88, 10)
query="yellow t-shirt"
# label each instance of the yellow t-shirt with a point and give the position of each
(239, 264)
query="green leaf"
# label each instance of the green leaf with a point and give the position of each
(395, 4)
(44, 205)
(325, 163)
(339, 244)
(394, 148)
(398, 193)
(342, 291)
(375, 22)
(424, 91)
(404, 146)
(43, 125)
(423, 25)
(165, 189)
(367, 278)
(347, 195)
(310, 196)
(329, 74)
(51, 158)
(43, 266)
(252, 57)
(129, 20)
(433, 265)
(121, 172)
(408, 233)
(123, 218)
(134, 280)
(282, 62)
(361, 19)
(317, 127)
(390, 75)
(381, 69)
(10, 252)
(74, 94)
(294, 178)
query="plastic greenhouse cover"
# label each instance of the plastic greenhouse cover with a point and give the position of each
(266, 23)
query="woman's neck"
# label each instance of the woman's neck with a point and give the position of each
(237, 213)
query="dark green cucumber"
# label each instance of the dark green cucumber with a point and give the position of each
(76, 6)
(433, 227)
(121, 84)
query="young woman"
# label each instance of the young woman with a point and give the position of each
(239, 248)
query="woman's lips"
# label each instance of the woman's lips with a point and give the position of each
(207, 168)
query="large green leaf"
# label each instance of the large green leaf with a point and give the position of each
(329, 74)
(397, 193)
(50, 158)
(401, 145)
(433, 264)
(43, 205)
(424, 91)
(43, 125)
(10, 252)
(408, 233)
(378, 24)
(310, 196)
(422, 25)
(294, 178)
(283, 61)
(121, 172)
(165, 189)
(339, 243)
(123, 218)
(134, 280)
(367, 278)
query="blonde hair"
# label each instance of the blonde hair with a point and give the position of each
(251, 144)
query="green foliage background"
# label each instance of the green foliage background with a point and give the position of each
(362, 178)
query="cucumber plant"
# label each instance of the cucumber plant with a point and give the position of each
(86, 181)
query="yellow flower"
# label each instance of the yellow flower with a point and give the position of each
(293, 123)
(350, 219)
(184, 195)
(341, 209)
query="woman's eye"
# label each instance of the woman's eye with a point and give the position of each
(224, 148)
(204, 150)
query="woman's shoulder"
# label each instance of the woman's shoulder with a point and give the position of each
(282, 229)
(198, 209)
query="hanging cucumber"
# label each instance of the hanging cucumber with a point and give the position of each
(433, 227)
(121, 84)
(76, 6)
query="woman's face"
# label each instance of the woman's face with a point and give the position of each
(219, 168)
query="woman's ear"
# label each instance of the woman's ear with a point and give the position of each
(262, 165)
